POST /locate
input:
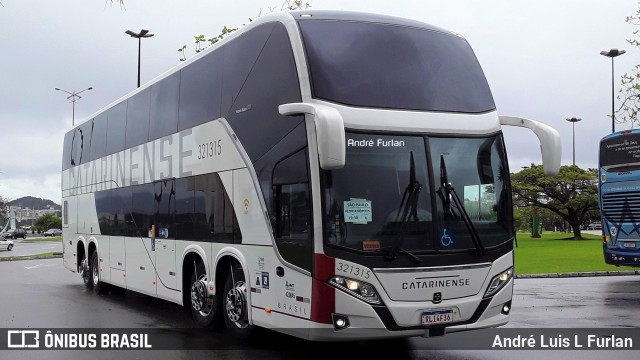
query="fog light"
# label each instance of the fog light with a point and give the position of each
(340, 322)
(506, 308)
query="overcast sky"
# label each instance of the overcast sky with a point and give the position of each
(541, 58)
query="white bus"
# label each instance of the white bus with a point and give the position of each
(331, 175)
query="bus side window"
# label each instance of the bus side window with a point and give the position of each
(98, 137)
(81, 147)
(165, 208)
(214, 217)
(292, 210)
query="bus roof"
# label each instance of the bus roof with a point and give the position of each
(619, 133)
(285, 18)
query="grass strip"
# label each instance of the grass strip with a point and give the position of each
(554, 253)
(49, 255)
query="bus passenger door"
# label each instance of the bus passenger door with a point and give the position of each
(165, 244)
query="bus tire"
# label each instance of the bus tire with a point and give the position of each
(234, 303)
(86, 275)
(98, 286)
(10, 247)
(205, 309)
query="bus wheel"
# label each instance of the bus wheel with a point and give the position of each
(204, 307)
(235, 299)
(86, 274)
(98, 286)
(10, 247)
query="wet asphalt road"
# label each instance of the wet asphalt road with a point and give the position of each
(42, 293)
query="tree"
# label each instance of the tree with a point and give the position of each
(572, 194)
(3, 211)
(48, 221)
(202, 42)
(630, 90)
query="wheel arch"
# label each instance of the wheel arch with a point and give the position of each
(81, 253)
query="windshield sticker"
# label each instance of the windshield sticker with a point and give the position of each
(357, 211)
(375, 143)
(446, 237)
(370, 245)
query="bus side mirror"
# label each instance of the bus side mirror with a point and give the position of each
(329, 131)
(550, 143)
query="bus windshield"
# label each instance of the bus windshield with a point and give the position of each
(621, 152)
(389, 194)
(390, 66)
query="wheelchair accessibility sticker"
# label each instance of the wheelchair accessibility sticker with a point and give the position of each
(446, 237)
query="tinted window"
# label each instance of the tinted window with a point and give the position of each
(295, 140)
(239, 57)
(121, 220)
(620, 151)
(215, 218)
(389, 66)
(255, 110)
(164, 107)
(292, 209)
(184, 222)
(82, 143)
(200, 89)
(67, 150)
(105, 212)
(99, 137)
(116, 128)
(138, 119)
(164, 197)
(142, 209)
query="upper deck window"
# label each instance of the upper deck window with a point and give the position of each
(390, 66)
(620, 152)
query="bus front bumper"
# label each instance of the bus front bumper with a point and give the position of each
(366, 321)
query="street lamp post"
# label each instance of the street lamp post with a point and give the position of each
(73, 97)
(142, 34)
(612, 54)
(574, 121)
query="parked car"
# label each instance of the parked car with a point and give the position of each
(594, 226)
(52, 232)
(14, 234)
(5, 244)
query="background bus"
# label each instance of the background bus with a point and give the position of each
(619, 197)
(326, 174)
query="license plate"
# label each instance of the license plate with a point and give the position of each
(630, 244)
(437, 317)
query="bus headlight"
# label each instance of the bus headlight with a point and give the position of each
(498, 282)
(360, 289)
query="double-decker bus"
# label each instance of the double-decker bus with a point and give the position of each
(331, 175)
(619, 197)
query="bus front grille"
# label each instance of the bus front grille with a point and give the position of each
(621, 207)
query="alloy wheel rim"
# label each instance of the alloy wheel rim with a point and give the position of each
(235, 303)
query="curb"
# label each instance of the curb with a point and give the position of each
(30, 257)
(578, 274)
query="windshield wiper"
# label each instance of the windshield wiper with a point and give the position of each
(408, 209)
(450, 190)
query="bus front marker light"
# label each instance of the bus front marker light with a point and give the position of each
(498, 282)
